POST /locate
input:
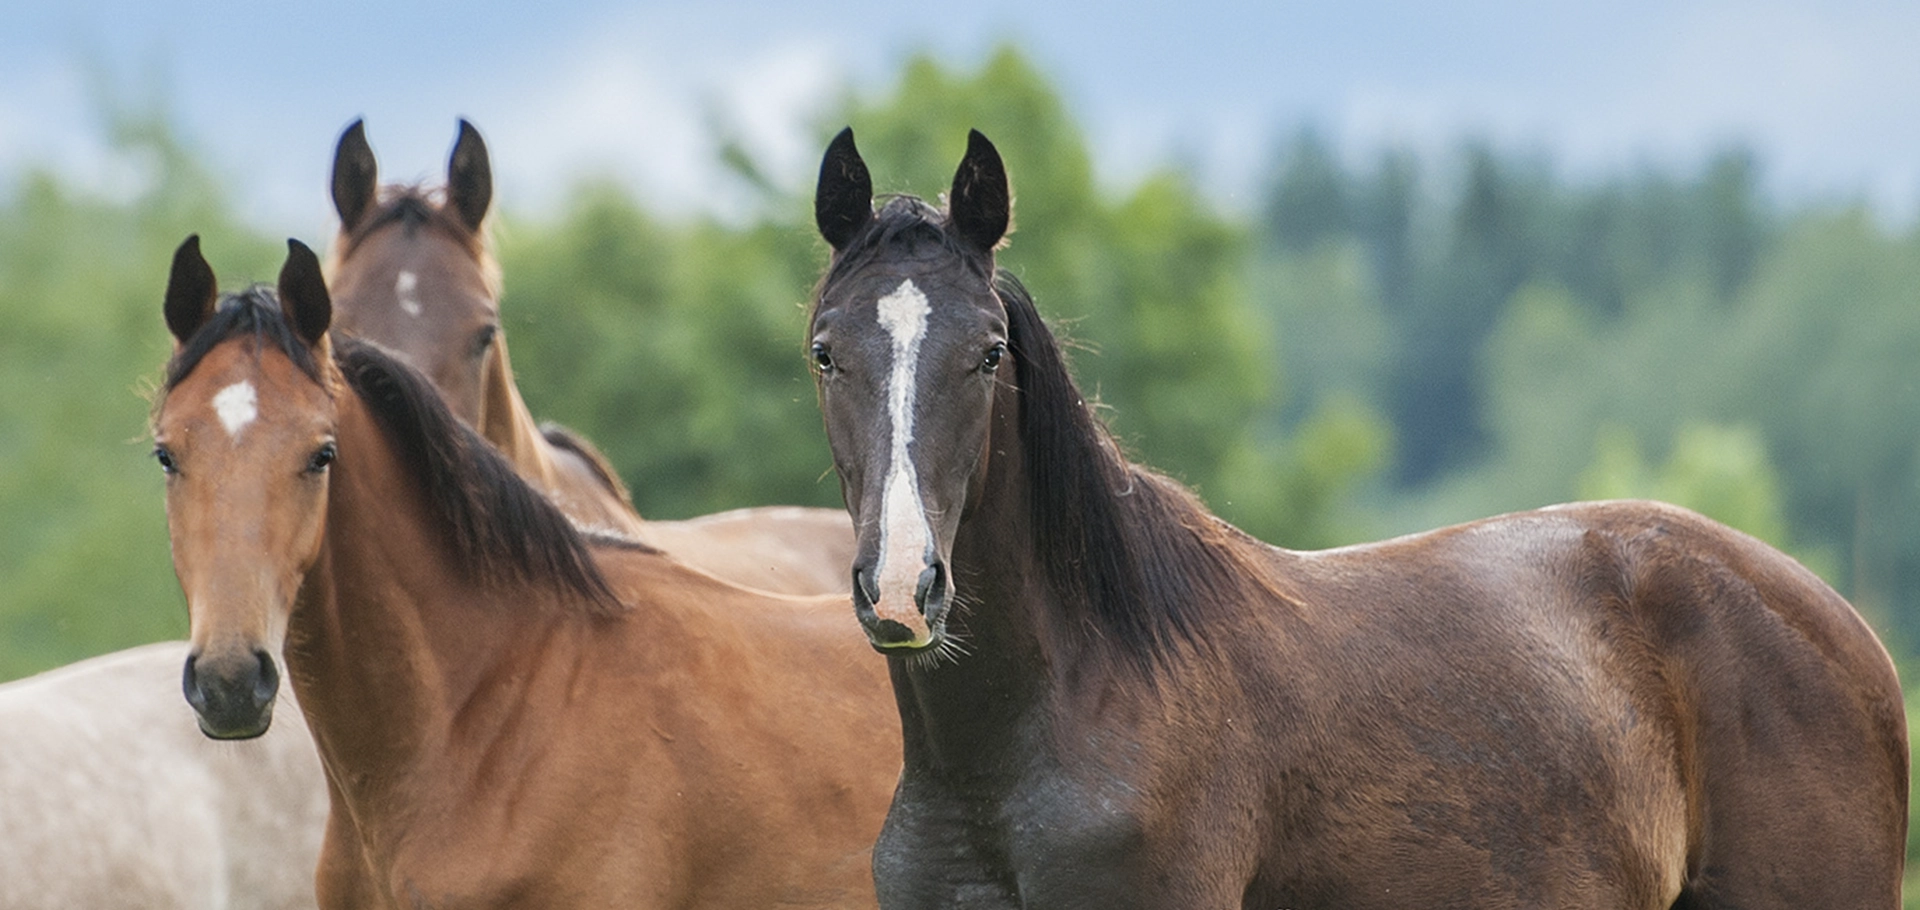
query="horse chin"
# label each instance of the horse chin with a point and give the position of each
(231, 728)
(911, 645)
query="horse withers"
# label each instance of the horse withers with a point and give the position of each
(1112, 698)
(412, 270)
(510, 711)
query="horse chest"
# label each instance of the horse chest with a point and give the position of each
(1049, 842)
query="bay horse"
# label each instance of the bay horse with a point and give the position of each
(412, 270)
(1111, 698)
(110, 798)
(510, 711)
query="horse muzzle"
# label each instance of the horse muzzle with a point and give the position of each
(893, 630)
(232, 696)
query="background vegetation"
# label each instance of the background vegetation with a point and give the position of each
(1381, 348)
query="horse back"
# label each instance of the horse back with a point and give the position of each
(1681, 709)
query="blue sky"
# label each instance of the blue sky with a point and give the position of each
(1827, 91)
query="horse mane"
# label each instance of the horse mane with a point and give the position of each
(254, 311)
(901, 219)
(498, 522)
(1130, 550)
(562, 438)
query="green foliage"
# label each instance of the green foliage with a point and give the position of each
(676, 349)
(83, 547)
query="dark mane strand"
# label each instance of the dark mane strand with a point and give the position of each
(414, 207)
(255, 311)
(901, 219)
(495, 520)
(1134, 550)
(562, 438)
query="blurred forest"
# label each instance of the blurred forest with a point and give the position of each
(1383, 346)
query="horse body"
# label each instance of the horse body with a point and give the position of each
(1610, 705)
(414, 274)
(510, 714)
(113, 799)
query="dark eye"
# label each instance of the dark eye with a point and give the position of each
(322, 457)
(483, 339)
(165, 457)
(991, 362)
(822, 358)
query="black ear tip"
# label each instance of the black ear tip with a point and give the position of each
(189, 246)
(979, 145)
(468, 132)
(296, 248)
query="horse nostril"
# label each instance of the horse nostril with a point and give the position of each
(931, 587)
(863, 582)
(190, 683)
(267, 684)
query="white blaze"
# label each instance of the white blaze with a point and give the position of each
(403, 288)
(236, 406)
(904, 536)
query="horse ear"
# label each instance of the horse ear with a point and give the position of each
(470, 177)
(192, 291)
(843, 202)
(980, 203)
(303, 293)
(355, 175)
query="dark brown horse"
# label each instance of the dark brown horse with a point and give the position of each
(1111, 698)
(411, 270)
(509, 713)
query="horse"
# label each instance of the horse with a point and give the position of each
(509, 710)
(1112, 698)
(112, 799)
(411, 269)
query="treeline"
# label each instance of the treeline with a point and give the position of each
(1388, 343)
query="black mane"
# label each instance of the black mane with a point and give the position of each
(497, 523)
(1132, 548)
(496, 520)
(256, 311)
(903, 219)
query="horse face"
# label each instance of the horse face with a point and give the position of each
(908, 343)
(410, 275)
(245, 439)
(424, 297)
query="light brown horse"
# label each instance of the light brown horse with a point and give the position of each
(1606, 705)
(411, 270)
(509, 713)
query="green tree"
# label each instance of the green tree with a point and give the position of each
(84, 544)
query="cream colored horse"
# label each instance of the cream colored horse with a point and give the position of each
(110, 797)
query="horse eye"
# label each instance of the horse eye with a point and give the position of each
(484, 339)
(165, 457)
(822, 358)
(992, 361)
(321, 458)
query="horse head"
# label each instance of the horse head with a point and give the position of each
(908, 341)
(244, 430)
(411, 270)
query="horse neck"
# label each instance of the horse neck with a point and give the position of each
(392, 638)
(962, 717)
(506, 422)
